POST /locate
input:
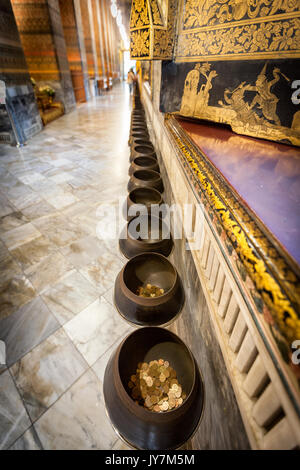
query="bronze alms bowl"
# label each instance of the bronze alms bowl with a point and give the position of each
(138, 426)
(142, 151)
(143, 163)
(158, 238)
(141, 196)
(146, 179)
(140, 134)
(154, 269)
(138, 128)
(147, 142)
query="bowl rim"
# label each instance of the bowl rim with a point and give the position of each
(142, 241)
(143, 409)
(129, 199)
(154, 161)
(157, 175)
(136, 297)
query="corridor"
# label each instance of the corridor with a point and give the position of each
(57, 317)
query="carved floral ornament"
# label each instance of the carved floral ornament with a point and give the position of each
(216, 29)
(152, 29)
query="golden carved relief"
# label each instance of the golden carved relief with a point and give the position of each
(140, 43)
(161, 30)
(233, 29)
(139, 14)
(205, 13)
(258, 118)
(164, 39)
(156, 16)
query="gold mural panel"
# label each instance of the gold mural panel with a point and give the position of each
(152, 24)
(236, 29)
(257, 117)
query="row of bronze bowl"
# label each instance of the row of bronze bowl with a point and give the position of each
(137, 426)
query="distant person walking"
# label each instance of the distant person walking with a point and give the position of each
(131, 79)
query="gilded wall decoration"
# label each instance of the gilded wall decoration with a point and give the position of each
(232, 29)
(152, 26)
(271, 279)
(254, 98)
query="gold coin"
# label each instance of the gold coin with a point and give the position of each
(162, 377)
(178, 392)
(154, 399)
(148, 401)
(130, 384)
(133, 378)
(164, 406)
(172, 403)
(149, 381)
(157, 408)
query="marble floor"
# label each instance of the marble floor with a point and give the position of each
(57, 317)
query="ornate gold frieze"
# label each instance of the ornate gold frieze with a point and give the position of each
(152, 29)
(233, 29)
(275, 277)
(254, 99)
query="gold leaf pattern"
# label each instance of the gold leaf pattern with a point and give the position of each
(140, 43)
(209, 13)
(254, 38)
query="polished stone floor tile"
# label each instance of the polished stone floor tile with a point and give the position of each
(46, 372)
(28, 441)
(59, 229)
(9, 267)
(60, 198)
(25, 328)
(98, 320)
(48, 271)
(103, 271)
(35, 211)
(77, 421)
(14, 292)
(13, 417)
(5, 206)
(69, 296)
(11, 221)
(33, 252)
(25, 200)
(54, 269)
(109, 295)
(20, 235)
(83, 251)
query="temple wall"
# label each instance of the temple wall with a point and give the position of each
(43, 42)
(14, 72)
(250, 391)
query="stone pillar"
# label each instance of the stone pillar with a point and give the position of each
(71, 34)
(101, 40)
(103, 37)
(44, 45)
(106, 34)
(79, 24)
(20, 99)
(93, 37)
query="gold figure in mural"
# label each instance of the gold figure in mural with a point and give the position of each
(192, 101)
(265, 99)
(256, 118)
